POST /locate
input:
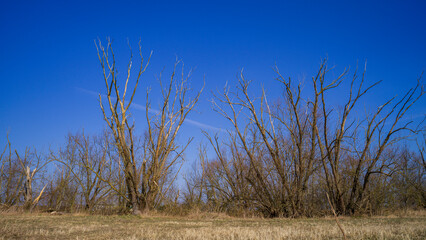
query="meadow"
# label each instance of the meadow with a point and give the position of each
(83, 226)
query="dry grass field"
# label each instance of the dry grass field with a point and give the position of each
(68, 226)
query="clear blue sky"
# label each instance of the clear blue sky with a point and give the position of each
(48, 61)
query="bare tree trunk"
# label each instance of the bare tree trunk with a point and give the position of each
(28, 192)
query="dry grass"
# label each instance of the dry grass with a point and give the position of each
(45, 226)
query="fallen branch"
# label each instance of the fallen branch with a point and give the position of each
(335, 217)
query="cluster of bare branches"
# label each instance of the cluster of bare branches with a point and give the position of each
(118, 166)
(17, 176)
(282, 159)
(294, 156)
(87, 164)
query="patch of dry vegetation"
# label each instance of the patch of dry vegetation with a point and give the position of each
(44, 226)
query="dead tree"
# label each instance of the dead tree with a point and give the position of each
(27, 163)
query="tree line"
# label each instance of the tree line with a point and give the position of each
(288, 157)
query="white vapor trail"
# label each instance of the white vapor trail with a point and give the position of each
(155, 111)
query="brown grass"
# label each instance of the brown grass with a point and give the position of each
(82, 226)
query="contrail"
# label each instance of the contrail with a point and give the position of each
(155, 111)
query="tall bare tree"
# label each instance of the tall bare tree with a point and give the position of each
(145, 180)
(351, 156)
(286, 143)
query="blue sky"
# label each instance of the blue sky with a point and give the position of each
(49, 68)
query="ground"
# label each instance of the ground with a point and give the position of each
(80, 226)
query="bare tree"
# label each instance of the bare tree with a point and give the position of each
(363, 154)
(88, 161)
(62, 190)
(145, 181)
(30, 168)
(408, 184)
(11, 177)
(17, 176)
(278, 141)
(196, 181)
(285, 144)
